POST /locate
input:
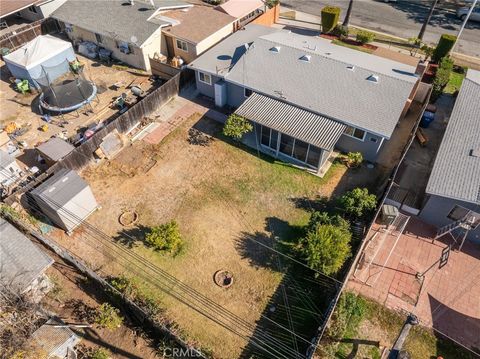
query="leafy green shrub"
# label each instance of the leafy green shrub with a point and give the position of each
(272, 3)
(441, 77)
(108, 317)
(236, 126)
(358, 202)
(100, 353)
(329, 15)
(340, 31)
(165, 237)
(133, 291)
(444, 46)
(364, 37)
(326, 248)
(322, 218)
(354, 159)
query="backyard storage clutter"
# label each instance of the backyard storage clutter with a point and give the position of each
(65, 198)
(40, 57)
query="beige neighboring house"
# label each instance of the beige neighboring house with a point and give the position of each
(197, 29)
(244, 11)
(128, 28)
(31, 10)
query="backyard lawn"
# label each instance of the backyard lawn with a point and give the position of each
(455, 82)
(224, 199)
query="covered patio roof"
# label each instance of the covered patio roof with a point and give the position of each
(291, 120)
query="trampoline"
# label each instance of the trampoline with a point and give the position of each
(64, 90)
(70, 95)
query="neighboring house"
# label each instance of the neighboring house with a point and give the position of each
(54, 150)
(244, 11)
(65, 198)
(128, 28)
(197, 29)
(453, 188)
(10, 171)
(22, 263)
(56, 340)
(305, 95)
(28, 9)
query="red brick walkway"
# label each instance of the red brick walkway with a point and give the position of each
(177, 118)
(448, 298)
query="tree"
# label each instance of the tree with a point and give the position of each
(358, 202)
(108, 317)
(165, 237)
(326, 248)
(427, 20)
(236, 126)
(349, 12)
(322, 218)
(329, 18)
(444, 46)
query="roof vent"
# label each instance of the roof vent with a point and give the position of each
(305, 58)
(373, 78)
(350, 67)
(475, 152)
(275, 49)
(51, 189)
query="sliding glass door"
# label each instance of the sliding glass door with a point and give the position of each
(291, 147)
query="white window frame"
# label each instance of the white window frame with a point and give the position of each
(466, 209)
(209, 82)
(245, 92)
(97, 37)
(181, 42)
(352, 135)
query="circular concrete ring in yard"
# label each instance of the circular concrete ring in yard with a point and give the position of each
(128, 218)
(223, 278)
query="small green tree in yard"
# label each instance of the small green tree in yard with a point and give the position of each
(326, 247)
(445, 44)
(354, 159)
(364, 37)
(358, 202)
(236, 126)
(100, 353)
(165, 237)
(321, 218)
(329, 15)
(108, 317)
(441, 77)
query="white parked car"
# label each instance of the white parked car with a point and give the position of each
(463, 12)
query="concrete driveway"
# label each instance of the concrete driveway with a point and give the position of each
(403, 18)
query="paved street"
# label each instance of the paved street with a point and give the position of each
(403, 18)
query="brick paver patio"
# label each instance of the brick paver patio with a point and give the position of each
(448, 298)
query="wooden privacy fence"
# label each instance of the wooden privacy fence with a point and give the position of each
(83, 154)
(138, 314)
(24, 34)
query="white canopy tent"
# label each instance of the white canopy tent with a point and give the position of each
(40, 57)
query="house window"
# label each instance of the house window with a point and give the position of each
(247, 92)
(99, 38)
(33, 9)
(373, 139)
(205, 78)
(355, 133)
(313, 158)
(286, 144)
(124, 47)
(182, 45)
(458, 212)
(300, 150)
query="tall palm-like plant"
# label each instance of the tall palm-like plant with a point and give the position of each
(349, 12)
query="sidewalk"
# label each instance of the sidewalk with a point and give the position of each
(303, 21)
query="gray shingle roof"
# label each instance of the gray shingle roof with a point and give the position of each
(456, 173)
(219, 59)
(60, 188)
(5, 159)
(115, 18)
(21, 261)
(325, 84)
(291, 120)
(55, 148)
